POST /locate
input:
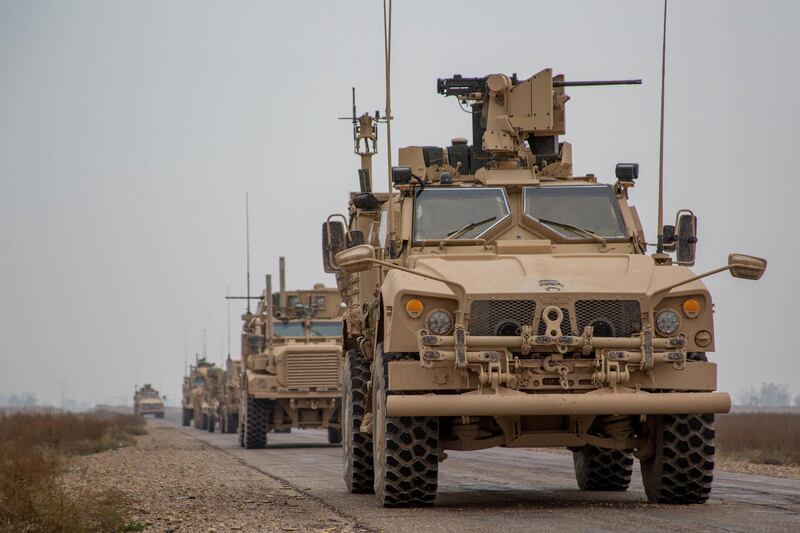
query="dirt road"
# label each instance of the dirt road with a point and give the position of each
(516, 490)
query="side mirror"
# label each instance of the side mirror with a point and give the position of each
(627, 172)
(355, 259)
(746, 266)
(333, 242)
(686, 238)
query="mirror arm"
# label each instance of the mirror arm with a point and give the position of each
(457, 288)
(693, 278)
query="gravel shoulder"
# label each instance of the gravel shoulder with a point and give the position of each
(173, 483)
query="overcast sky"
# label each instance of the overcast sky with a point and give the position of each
(130, 132)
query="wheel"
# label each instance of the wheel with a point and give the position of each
(159, 415)
(357, 446)
(233, 422)
(240, 429)
(603, 468)
(405, 449)
(187, 417)
(204, 421)
(256, 423)
(681, 469)
(335, 431)
(212, 422)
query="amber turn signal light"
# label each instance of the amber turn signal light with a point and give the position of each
(414, 308)
(691, 308)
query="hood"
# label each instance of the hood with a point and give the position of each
(597, 274)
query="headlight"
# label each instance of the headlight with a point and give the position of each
(667, 321)
(439, 322)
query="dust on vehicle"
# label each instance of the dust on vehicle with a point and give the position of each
(147, 401)
(496, 299)
(292, 361)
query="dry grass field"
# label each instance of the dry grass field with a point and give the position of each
(766, 438)
(34, 450)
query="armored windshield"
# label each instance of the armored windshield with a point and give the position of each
(150, 394)
(456, 213)
(289, 329)
(587, 208)
(326, 329)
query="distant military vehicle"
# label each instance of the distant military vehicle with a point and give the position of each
(496, 299)
(292, 363)
(230, 396)
(205, 379)
(146, 401)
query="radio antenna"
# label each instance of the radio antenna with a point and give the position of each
(660, 241)
(387, 54)
(247, 241)
(228, 305)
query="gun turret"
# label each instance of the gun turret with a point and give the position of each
(507, 113)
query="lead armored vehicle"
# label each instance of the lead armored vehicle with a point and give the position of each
(497, 299)
(292, 363)
(146, 401)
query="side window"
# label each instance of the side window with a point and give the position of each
(319, 302)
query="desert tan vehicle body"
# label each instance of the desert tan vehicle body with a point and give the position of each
(187, 411)
(146, 401)
(292, 361)
(511, 303)
(230, 396)
(206, 381)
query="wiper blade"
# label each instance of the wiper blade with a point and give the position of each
(472, 225)
(577, 229)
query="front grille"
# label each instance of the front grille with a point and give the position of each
(500, 317)
(312, 370)
(623, 316)
(566, 328)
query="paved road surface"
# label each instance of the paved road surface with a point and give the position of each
(516, 490)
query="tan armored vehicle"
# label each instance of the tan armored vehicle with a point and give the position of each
(292, 363)
(230, 396)
(496, 299)
(206, 381)
(146, 401)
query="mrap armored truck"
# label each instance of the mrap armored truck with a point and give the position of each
(292, 361)
(146, 401)
(495, 298)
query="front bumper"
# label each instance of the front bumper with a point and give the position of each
(507, 402)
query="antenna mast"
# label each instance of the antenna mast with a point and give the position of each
(228, 304)
(387, 51)
(247, 239)
(660, 241)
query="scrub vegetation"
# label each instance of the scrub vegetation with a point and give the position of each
(760, 437)
(35, 450)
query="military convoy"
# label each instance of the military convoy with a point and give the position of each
(494, 298)
(230, 396)
(291, 370)
(147, 401)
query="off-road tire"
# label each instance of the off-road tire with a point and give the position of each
(356, 446)
(335, 432)
(233, 423)
(406, 459)
(256, 424)
(240, 430)
(212, 423)
(681, 469)
(603, 468)
(203, 422)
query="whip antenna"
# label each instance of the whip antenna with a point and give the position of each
(660, 241)
(387, 54)
(247, 240)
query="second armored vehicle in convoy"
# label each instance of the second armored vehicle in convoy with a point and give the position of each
(291, 353)
(230, 396)
(205, 380)
(146, 401)
(494, 298)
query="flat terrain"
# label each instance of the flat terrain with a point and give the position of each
(511, 490)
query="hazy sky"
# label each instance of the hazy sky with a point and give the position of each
(130, 131)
